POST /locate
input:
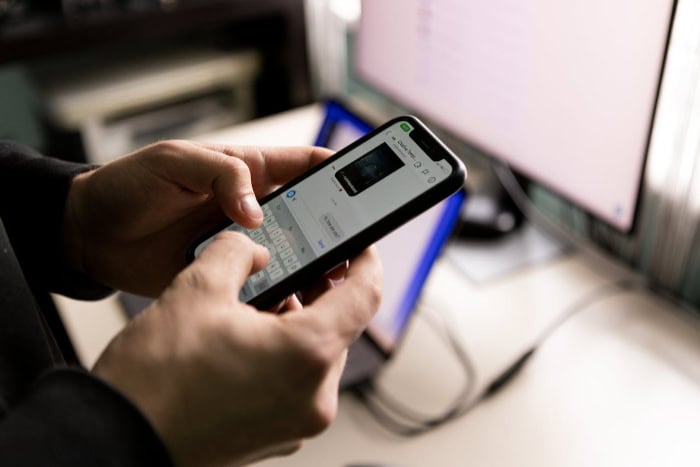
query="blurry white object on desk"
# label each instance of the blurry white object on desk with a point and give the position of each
(481, 261)
(179, 94)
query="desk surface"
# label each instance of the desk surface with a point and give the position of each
(616, 384)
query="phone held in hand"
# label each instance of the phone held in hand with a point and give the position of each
(340, 207)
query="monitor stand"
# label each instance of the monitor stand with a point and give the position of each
(493, 238)
(488, 216)
(482, 260)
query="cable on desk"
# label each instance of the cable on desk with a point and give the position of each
(398, 418)
(402, 420)
(531, 212)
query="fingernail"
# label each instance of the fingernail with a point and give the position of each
(251, 207)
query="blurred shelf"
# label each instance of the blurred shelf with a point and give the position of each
(46, 34)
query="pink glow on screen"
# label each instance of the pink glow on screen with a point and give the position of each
(562, 91)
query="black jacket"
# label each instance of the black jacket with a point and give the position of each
(52, 413)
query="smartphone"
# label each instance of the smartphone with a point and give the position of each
(340, 207)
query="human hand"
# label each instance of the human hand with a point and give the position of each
(130, 223)
(225, 384)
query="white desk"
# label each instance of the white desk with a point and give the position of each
(617, 384)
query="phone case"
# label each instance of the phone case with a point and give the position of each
(354, 245)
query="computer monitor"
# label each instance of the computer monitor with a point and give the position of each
(564, 92)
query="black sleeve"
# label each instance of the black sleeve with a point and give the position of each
(71, 418)
(33, 191)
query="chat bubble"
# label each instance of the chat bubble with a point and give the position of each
(331, 226)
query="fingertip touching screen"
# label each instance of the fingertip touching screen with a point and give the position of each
(339, 199)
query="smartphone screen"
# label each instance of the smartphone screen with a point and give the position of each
(317, 214)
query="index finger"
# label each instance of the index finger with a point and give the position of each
(273, 166)
(204, 170)
(283, 164)
(346, 309)
(226, 262)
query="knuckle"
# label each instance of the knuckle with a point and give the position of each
(218, 329)
(194, 277)
(311, 356)
(320, 415)
(237, 165)
(374, 294)
(161, 153)
(315, 360)
(369, 293)
(168, 147)
(230, 235)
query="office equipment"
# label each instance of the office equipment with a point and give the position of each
(45, 42)
(132, 103)
(564, 93)
(407, 255)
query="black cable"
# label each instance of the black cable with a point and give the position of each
(402, 420)
(399, 418)
(515, 190)
(464, 359)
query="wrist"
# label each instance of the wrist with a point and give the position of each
(73, 228)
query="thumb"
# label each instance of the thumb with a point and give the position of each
(207, 171)
(227, 261)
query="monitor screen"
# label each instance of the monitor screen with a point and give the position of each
(564, 92)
